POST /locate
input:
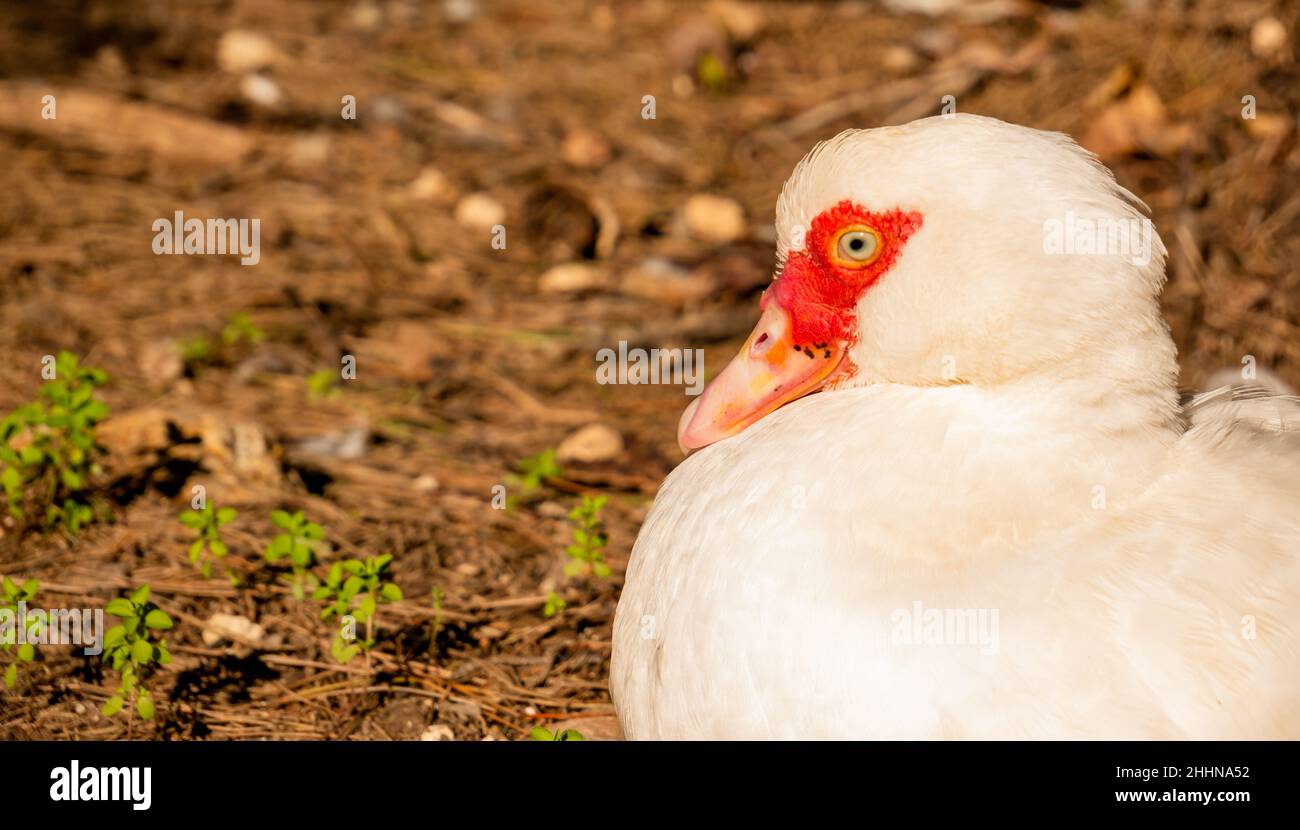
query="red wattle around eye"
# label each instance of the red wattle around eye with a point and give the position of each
(820, 296)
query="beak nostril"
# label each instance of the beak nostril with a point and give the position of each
(760, 345)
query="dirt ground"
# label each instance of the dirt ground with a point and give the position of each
(377, 243)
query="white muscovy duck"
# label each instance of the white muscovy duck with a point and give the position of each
(994, 519)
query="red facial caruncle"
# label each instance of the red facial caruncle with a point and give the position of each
(808, 321)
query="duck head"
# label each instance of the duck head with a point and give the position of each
(952, 250)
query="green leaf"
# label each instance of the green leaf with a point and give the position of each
(26, 652)
(158, 619)
(281, 519)
(11, 675)
(196, 550)
(390, 592)
(192, 519)
(120, 607)
(366, 607)
(226, 515)
(31, 587)
(300, 555)
(541, 733)
(279, 547)
(144, 705)
(141, 651)
(113, 705)
(141, 595)
(218, 548)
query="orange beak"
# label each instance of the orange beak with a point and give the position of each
(769, 372)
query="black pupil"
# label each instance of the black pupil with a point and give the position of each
(855, 244)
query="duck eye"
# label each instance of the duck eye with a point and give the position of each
(856, 247)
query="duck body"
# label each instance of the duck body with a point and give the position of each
(1140, 586)
(947, 488)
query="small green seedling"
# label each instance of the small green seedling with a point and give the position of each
(541, 733)
(132, 650)
(47, 447)
(11, 594)
(72, 516)
(197, 350)
(298, 543)
(587, 553)
(534, 471)
(323, 384)
(356, 588)
(207, 524)
(554, 605)
(241, 329)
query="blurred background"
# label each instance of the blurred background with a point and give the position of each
(500, 208)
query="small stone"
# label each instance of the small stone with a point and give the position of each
(585, 148)
(347, 444)
(899, 58)
(662, 280)
(468, 569)
(551, 510)
(367, 15)
(1267, 37)
(715, 219)
(426, 483)
(261, 90)
(240, 51)
(231, 627)
(387, 110)
(743, 21)
(591, 444)
(571, 277)
(309, 152)
(480, 211)
(432, 185)
(437, 732)
(460, 12)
